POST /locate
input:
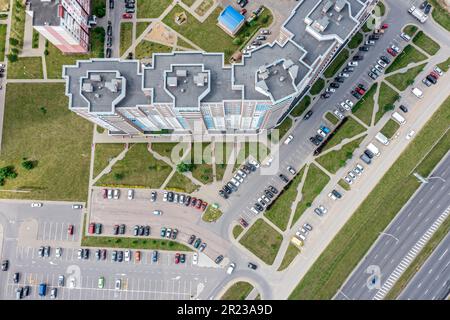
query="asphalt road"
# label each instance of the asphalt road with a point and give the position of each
(432, 282)
(402, 240)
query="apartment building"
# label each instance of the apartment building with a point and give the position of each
(62, 22)
(186, 91)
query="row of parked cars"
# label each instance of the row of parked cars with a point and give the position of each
(197, 243)
(433, 76)
(303, 231)
(187, 200)
(169, 233)
(322, 132)
(95, 228)
(354, 173)
(44, 252)
(240, 176)
(265, 199)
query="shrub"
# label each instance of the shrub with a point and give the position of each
(118, 176)
(13, 41)
(184, 167)
(28, 164)
(12, 57)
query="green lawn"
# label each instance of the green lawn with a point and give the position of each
(336, 159)
(203, 7)
(337, 63)
(279, 211)
(26, 68)
(145, 49)
(35, 40)
(386, 100)
(356, 40)
(344, 185)
(380, 9)
(104, 153)
(165, 149)
(2, 41)
(301, 106)
(209, 36)
(390, 128)
(284, 127)
(363, 109)
(138, 168)
(140, 28)
(315, 181)
(407, 56)
(332, 118)
(184, 44)
(200, 156)
(238, 291)
(426, 43)
(133, 243)
(263, 241)
(151, 8)
(257, 150)
(212, 214)
(444, 65)
(348, 130)
(39, 126)
(350, 245)
(56, 59)
(410, 30)
(440, 15)
(237, 230)
(181, 183)
(291, 252)
(403, 80)
(98, 8)
(18, 23)
(222, 154)
(188, 2)
(317, 87)
(126, 35)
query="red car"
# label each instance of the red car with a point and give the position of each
(243, 11)
(137, 256)
(243, 223)
(434, 74)
(127, 16)
(385, 26)
(70, 229)
(391, 52)
(360, 91)
(177, 258)
(199, 204)
(91, 228)
(204, 205)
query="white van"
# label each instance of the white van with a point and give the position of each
(417, 92)
(373, 148)
(382, 138)
(398, 118)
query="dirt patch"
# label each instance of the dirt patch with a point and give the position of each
(161, 34)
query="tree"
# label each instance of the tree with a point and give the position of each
(27, 164)
(15, 51)
(12, 57)
(46, 52)
(13, 41)
(184, 167)
(118, 176)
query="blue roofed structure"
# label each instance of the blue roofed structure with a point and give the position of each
(231, 20)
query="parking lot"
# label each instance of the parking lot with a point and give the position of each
(187, 220)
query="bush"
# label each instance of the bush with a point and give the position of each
(118, 176)
(27, 164)
(15, 51)
(184, 167)
(46, 52)
(12, 57)
(237, 41)
(388, 107)
(13, 41)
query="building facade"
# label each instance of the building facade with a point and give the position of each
(64, 23)
(187, 91)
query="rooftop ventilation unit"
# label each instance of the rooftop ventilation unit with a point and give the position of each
(282, 78)
(181, 73)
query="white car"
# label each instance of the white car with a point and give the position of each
(157, 212)
(165, 196)
(395, 48)
(405, 37)
(323, 209)
(118, 284)
(254, 162)
(195, 258)
(242, 173)
(345, 106)
(360, 167)
(332, 196)
(77, 206)
(130, 194)
(357, 171)
(352, 175)
(348, 180)
(300, 236)
(72, 282)
(36, 205)
(438, 71)
(291, 170)
(323, 134)
(127, 255)
(262, 202)
(239, 178)
(231, 268)
(379, 68)
(265, 198)
(288, 139)
(353, 63)
(343, 74)
(349, 103)
(116, 194)
(330, 89)
(110, 194)
(410, 135)
(58, 252)
(338, 114)
(79, 254)
(254, 210)
(181, 201)
(382, 63)
(307, 226)
(235, 182)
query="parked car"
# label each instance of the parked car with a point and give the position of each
(403, 108)
(127, 16)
